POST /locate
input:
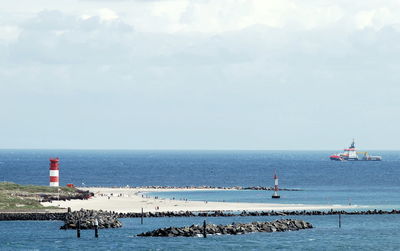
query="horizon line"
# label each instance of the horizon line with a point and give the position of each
(187, 149)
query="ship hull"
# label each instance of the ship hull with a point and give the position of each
(344, 159)
(336, 158)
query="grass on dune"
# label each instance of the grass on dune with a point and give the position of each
(12, 202)
(9, 186)
(15, 196)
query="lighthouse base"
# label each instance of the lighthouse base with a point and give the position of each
(276, 196)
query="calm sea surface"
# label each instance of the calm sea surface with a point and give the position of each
(372, 184)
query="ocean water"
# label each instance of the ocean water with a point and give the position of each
(296, 169)
(386, 199)
(358, 232)
(373, 184)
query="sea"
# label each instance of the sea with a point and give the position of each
(370, 185)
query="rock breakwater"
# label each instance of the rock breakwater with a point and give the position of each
(251, 213)
(217, 187)
(78, 195)
(231, 229)
(31, 216)
(86, 219)
(12, 216)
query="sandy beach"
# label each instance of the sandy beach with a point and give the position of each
(125, 200)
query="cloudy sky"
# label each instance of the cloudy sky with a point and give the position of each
(200, 74)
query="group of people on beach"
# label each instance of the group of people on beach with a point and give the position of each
(112, 195)
(143, 195)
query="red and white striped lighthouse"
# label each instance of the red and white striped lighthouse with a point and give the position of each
(54, 172)
(276, 189)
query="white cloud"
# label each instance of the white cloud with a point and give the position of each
(206, 16)
(9, 33)
(377, 18)
(154, 70)
(107, 14)
(104, 14)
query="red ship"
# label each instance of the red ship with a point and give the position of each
(351, 154)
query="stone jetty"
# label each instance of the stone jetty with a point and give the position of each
(78, 195)
(217, 187)
(31, 216)
(87, 218)
(252, 213)
(232, 229)
(12, 216)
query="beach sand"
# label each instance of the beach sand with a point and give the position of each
(125, 200)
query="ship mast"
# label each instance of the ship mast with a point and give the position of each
(352, 144)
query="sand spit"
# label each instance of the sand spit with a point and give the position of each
(125, 200)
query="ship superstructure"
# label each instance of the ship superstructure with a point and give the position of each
(352, 154)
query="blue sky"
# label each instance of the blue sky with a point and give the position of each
(237, 74)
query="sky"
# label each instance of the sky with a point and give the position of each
(199, 74)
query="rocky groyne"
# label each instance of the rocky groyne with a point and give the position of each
(87, 219)
(232, 229)
(12, 216)
(31, 216)
(217, 187)
(251, 213)
(78, 195)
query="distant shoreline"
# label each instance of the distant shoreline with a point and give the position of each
(189, 188)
